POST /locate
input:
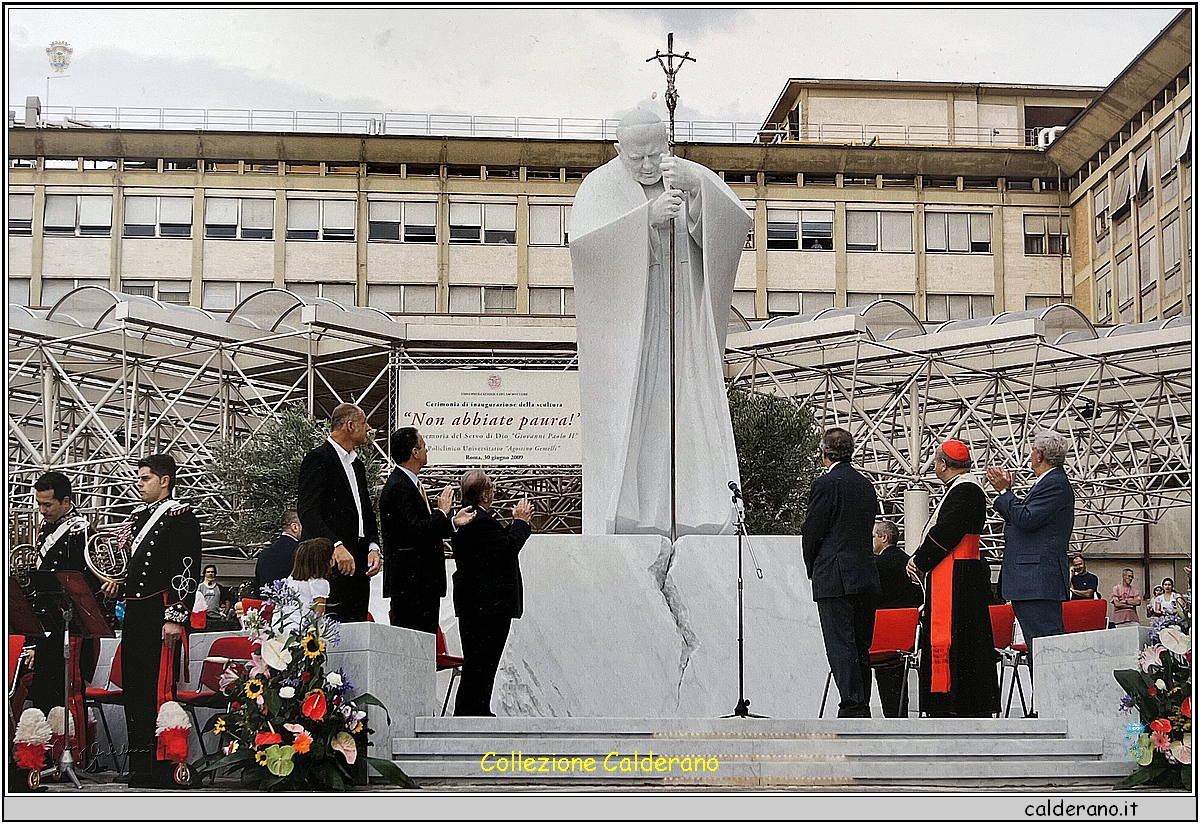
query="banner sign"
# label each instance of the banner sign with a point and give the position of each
(480, 417)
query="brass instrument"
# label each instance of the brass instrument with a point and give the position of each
(22, 559)
(107, 557)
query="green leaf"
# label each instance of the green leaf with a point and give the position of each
(368, 700)
(217, 761)
(392, 774)
(279, 759)
(1136, 778)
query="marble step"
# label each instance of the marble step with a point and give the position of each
(518, 728)
(815, 747)
(799, 771)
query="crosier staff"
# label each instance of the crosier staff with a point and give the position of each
(671, 68)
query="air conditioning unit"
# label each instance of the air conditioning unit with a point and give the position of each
(1049, 135)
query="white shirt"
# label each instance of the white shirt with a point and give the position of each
(347, 459)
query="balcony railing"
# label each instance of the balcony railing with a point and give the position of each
(381, 123)
(894, 135)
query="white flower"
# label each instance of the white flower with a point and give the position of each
(276, 654)
(1174, 639)
(1182, 750)
(287, 692)
(1160, 684)
(55, 720)
(334, 679)
(172, 716)
(32, 728)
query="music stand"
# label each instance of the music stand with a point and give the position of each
(82, 617)
(22, 620)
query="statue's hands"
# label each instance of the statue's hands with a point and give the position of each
(665, 207)
(678, 175)
(523, 511)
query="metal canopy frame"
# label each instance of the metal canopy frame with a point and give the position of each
(1122, 395)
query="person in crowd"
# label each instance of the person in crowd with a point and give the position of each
(1125, 600)
(488, 594)
(1083, 583)
(413, 532)
(897, 591)
(211, 592)
(63, 534)
(836, 539)
(334, 502)
(1166, 602)
(1037, 530)
(958, 658)
(163, 546)
(275, 562)
(310, 574)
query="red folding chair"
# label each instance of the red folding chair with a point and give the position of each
(109, 695)
(226, 651)
(262, 606)
(1085, 615)
(894, 643)
(1011, 656)
(446, 661)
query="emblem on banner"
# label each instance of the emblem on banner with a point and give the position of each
(59, 53)
(493, 381)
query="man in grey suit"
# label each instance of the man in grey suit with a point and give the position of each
(1037, 529)
(845, 582)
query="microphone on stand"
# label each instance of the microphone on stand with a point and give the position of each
(737, 493)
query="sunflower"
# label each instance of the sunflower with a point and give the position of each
(260, 758)
(357, 728)
(314, 647)
(254, 688)
(219, 727)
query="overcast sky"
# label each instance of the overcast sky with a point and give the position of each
(581, 62)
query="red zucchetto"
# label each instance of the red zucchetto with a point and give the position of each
(956, 450)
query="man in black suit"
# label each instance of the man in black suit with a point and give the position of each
(897, 590)
(162, 539)
(415, 577)
(275, 561)
(487, 589)
(334, 503)
(837, 555)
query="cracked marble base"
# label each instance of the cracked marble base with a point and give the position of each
(626, 626)
(1073, 678)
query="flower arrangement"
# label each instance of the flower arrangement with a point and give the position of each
(291, 725)
(1161, 691)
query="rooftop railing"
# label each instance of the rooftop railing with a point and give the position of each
(890, 134)
(375, 123)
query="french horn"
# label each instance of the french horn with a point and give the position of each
(106, 557)
(22, 559)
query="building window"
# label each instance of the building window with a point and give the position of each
(809, 229)
(548, 225)
(167, 291)
(411, 222)
(342, 293)
(55, 289)
(879, 231)
(744, 302)
(1040, 301)
(1126, 285)
(234, 218)
(1172, 257)
(474, 300)
(78, 215)
(551, 301)
(18, 291)
(797, 303)
(958, 232)
(1046, 235)
(1144, 175)
(957, 307)
(20, 215)
(158, 216)
(1167, 152)
(867, 298)
(320, 219)
(1103, 295)
(1148, 260)
(1121, 201)
(219, 296)
(491, 223)
(1150, 302)
(1100, 205)
(414, 298)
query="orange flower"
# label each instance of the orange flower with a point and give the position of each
(314, 705)
(302, 742)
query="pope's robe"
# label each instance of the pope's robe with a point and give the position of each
(622, 294)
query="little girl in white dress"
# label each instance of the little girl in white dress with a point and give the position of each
(310, 571)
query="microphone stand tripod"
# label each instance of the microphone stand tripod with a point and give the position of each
(66, 762)
(742, 710)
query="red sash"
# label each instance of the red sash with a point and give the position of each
(941, 608)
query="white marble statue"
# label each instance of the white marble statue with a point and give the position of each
(620, 242)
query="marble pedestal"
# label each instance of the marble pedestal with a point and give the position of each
(1073, 678)
(626, 626)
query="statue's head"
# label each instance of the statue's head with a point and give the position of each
(641, 144)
